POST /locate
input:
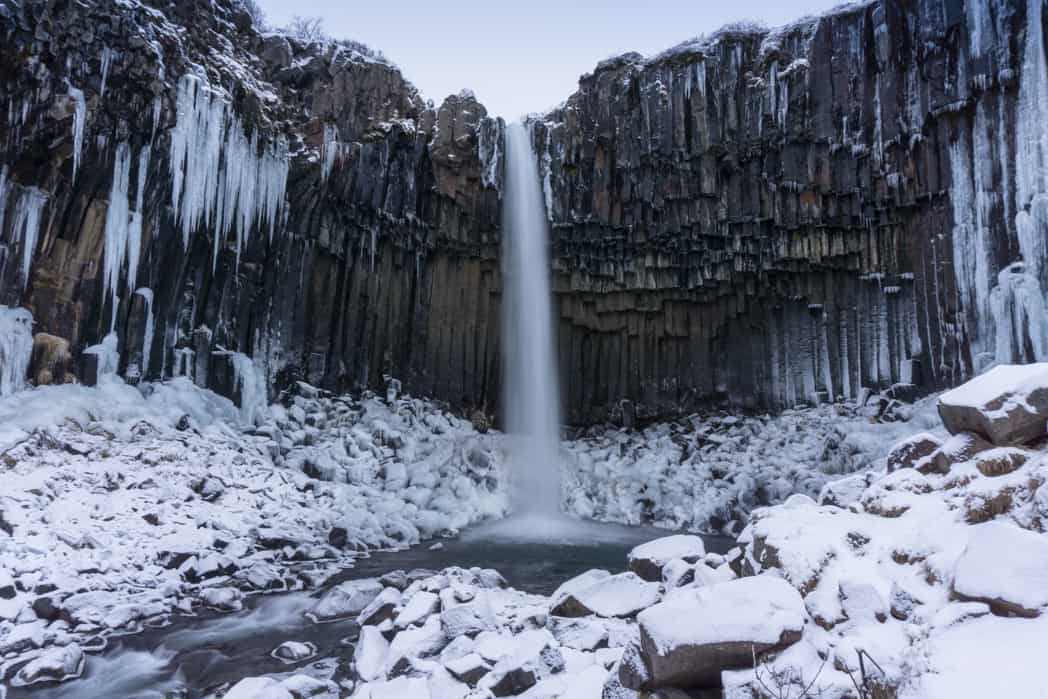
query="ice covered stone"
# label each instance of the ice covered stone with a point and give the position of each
(647, 560)
(346, 599)
(381, 608)
(1005, 567)
(294, 651)
(1008, 404)
(469, 668)
(418, 607)
(621, 595)
(909, 451)
(688, 641)
(225, 599)
(53, 665)
(369, 655)
(259, 688)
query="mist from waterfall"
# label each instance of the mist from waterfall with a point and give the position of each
(531, 397)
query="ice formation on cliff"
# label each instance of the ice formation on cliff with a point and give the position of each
(219, 179)
(16, 348)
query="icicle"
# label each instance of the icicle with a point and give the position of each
(251, 383)
(1019, 315)
(26, 226)
(108, 355)
(147, 342)
(1031, 145)
(16, 348)
(117, 228)
(79, 119)
(328, 151)
(971, 248)
(157, 106)
(218, 177)
(107, 58)
(3, 197)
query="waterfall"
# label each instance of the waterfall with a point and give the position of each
(531, 396)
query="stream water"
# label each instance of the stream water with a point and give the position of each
(193, 655)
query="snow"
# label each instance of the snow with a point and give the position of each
(16, 348)
(758, 609)
(1004, 562)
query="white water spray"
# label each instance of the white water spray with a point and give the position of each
(531, 391)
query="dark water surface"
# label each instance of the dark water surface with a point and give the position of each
(193, 655)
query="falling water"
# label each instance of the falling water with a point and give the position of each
(531, 392)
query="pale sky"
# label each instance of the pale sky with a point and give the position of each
(524, 56)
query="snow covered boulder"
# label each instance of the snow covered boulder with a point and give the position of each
(647, 560)
(290, 652)
(54, 665)
(369, 655)
(688, 641)
(1006, 567)
(959, 448)
(346, 599)
(1008, 404)
(259, 688)
(908, 452)
(1000, 461)
(621, 595)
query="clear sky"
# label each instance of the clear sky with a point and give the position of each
(523, 56)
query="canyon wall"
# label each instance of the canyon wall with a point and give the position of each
(777, 217)
(200, 191)
(761, 218)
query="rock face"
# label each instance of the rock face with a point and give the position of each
(359, 240)
(761, 217)
(780, 217)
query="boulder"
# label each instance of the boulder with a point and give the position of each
(1008, 405)
(621, 595)
(959, 448)
(294, 652)
(417, 609)
(1000, 461)
(369, 655)
(647, 560)
(908, 452)
(54, 665)
(346, 599)
(687, 641)
(259, 688)
(469, 668)
(381, 608)
(1006, 567)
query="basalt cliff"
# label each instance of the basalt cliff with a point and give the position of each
(760, 217)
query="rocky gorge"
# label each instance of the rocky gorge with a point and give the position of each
(762, 218)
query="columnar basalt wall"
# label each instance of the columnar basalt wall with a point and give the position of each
(775, 217)
(295, 202)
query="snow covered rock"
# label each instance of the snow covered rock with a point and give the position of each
(417, 609)
(294, 652)
(53, 665)
(381, 608)
(621, 595)
(469, 668)
(224, 599)
(369, 655)
(1005, 567)
(686, 642)
(346, 599)
(959, 448)
(908, 452)
(1000, 461)
(259, 688)
(647, 560)
(1008, 404)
